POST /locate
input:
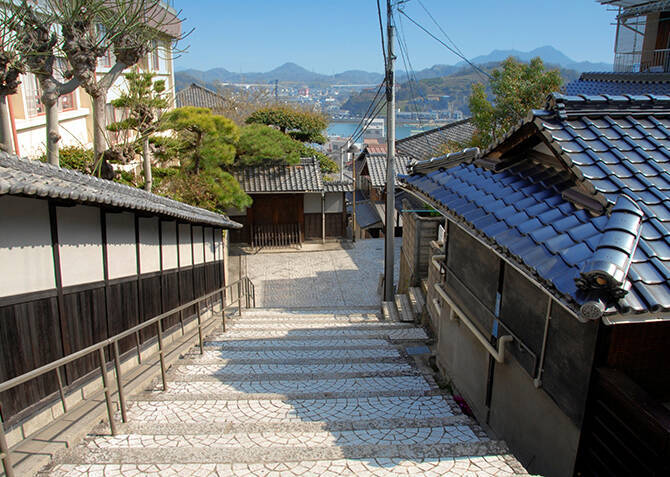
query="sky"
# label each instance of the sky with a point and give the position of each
(331, 36)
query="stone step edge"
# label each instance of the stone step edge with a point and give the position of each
(185, 455)
(218, 344)
(287, 376)
(293, 362)
(222, 340)
(136, 427)
(158, 395)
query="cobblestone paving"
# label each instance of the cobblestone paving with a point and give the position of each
(320, 279)
(293, 396)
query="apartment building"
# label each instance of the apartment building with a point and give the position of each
(27, 114)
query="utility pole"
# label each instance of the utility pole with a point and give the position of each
(390, 156)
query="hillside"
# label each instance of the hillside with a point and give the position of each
(457, 86)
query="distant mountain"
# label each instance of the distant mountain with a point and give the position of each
(291, 73)
(549, 54)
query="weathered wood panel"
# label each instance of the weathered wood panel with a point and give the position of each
(85, 322)
(170, 291)
(312, 226)
(568, 362)
(523, 309)
(335, 227)
(30, 337)
(478, 269)
(123, 311)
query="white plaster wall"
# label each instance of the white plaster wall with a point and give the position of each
(334, 202)
(80, 241)
(185, 253)
(121, 249)
(169, 245)
(31, 133)
(198, 252)
(150, 251)
(209, 244)
(218, 245)
(26, 256)
(312, 203)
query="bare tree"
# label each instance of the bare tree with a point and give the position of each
(91, 27)
(38, 42)
(11, 66)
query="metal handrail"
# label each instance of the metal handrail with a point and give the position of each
(114, 342)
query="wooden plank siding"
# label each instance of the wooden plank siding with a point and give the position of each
(37, 328)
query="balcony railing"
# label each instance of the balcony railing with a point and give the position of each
(647, 61)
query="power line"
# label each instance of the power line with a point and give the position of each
(463, 57)
(381, 103)
(381, 31)
(440, 27)
(404, 53)
(370, 108)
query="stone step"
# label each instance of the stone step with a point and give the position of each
(485, 465)
(188, 455)
(417, 300)
(308, 325)
(291, 411)
(297, 344)
(311, 311)
(372, 317)
(390, 311)
(296, 440)
(404, 309)
(285, 355)
(290, 371)
(416, 383)
(399, 334)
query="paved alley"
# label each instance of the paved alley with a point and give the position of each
(292, 393)
(335, 278)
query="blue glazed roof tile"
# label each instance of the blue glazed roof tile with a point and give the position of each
(619, 147)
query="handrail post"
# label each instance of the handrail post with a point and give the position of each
(246, 291)
(160, 354)
(105, 387)
(223, 309)
(4, 452)
(119, 382)
(60, 389)
(139, 352)
(200, 329)
(239, 296)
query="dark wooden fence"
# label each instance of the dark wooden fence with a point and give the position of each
(275, 235)
(627, 431)
(35, 330)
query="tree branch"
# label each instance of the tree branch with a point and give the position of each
(112, 75)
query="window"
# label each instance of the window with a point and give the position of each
(66, 102)
(155, 59)
(33, 92)
(107, 60)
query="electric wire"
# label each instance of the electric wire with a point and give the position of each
(411, 78)
(381, 33)
(430, 15)
(463, 57)
(364, 118)
(375, 112)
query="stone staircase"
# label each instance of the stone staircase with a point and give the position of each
(295, 393)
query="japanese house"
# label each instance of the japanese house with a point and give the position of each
(200, 97)
(550, 294)
(291, 204)
(83, 259)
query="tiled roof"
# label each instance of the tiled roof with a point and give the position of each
(619, 83)
(377, 168)
(199, 96)
(366, 214)
(610, 155)
(36, 179)
(431, 143)
(304, 177)
(338, 186)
